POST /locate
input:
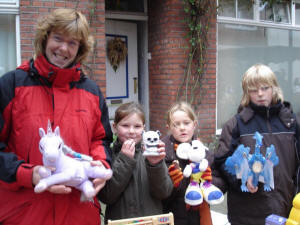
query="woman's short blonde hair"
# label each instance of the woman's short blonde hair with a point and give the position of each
(69, 22)
(257, 76)
(181, 106)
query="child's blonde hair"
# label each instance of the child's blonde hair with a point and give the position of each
(257, 76)
(127, 109)
(69, 22)
(181, 106)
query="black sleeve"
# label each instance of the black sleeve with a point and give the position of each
(9, 162)
(228, 143)
(105, 122)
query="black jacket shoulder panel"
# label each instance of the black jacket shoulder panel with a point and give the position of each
(88, 85)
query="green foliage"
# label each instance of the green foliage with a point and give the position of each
(115, 137)
(198, 17)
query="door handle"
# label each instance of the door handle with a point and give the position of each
(135, 85)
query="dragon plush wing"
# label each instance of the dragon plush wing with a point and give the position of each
(267, 176)
(237, 164)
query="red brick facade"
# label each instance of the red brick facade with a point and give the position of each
(166, 44)
(167, 33)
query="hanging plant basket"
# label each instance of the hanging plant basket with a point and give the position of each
(116, 52)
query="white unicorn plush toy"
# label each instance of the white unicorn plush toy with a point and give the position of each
(73, 171)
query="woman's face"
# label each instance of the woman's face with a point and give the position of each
(130, 127)
(61, 50)
(182, 127)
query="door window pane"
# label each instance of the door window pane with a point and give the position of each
(8, 58)
(239, 47)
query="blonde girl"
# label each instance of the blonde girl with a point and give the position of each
(182, 123)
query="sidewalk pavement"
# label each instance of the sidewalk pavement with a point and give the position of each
(219, 213)
(219, 218)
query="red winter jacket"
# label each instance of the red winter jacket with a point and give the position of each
(31, 95)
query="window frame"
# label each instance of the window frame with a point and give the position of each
(120, 15)
(12, 7)
(257, 22)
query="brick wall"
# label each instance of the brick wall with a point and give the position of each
(167, 33)
(31, 10)
(167, 46)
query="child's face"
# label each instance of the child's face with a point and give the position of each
(182, 127)
(130, 127)
(262, 95)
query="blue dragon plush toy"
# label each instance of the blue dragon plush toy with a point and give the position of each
(255, 166)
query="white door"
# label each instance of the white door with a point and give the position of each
(121, 85)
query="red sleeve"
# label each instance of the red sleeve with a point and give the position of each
(24, 175)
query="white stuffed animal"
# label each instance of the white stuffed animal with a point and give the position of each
(200, 184)
(150, 142)
(75, 172)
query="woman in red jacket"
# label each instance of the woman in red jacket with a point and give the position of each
(53, 87)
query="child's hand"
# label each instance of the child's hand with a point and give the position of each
(162, 154)
(250, 186)
(175, 173)
(128, 148)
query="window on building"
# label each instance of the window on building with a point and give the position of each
(125, 5)
(278, 12)
(262, 39)
(236, 9)
(9, 54)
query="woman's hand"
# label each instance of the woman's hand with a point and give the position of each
(98, 182)
(55, 189)
(153, 160)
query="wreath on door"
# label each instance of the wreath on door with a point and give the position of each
(116, 52)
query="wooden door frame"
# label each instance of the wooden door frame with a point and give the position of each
(143, 56)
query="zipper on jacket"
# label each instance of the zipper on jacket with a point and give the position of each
(268, 120)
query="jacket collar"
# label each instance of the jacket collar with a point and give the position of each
(283, 110)
(59, 77)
